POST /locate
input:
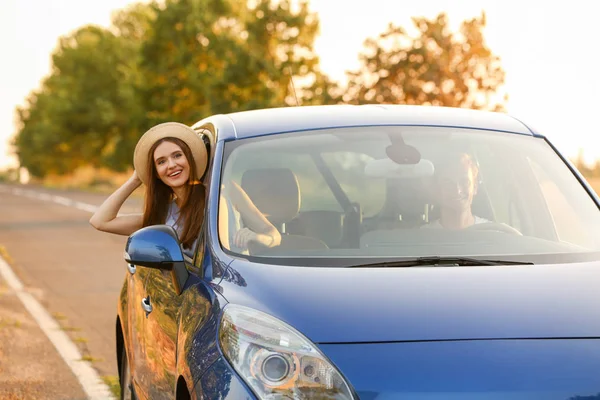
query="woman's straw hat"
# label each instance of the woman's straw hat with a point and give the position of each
(169, 129)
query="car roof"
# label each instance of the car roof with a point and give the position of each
(246, 124)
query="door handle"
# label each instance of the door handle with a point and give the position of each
(146, 305)
(131, 268)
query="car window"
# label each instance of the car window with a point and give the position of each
(314, 192)
(568, 221)
(348, 169)
(415, 191)
(498, 184)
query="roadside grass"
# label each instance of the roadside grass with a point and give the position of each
(82, 343)
(10, 323)
(20, 394)
(113, 383)
(70, 328)
(59, 316)
(90, 358)
(4, 254)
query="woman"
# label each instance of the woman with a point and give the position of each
(171, 159)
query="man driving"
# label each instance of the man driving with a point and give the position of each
(456, 185)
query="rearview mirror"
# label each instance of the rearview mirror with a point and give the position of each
(386, 168)
(403, 154)
(158, 247)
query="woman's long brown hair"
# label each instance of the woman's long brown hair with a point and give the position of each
(159, 197)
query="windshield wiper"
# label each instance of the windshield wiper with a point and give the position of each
(435, 260)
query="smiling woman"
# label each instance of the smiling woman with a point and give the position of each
(170, 159)
(175, 187)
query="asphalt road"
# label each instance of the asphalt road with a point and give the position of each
(74, 271)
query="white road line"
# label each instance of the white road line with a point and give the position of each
(62, 200)
(85, 373)
(53, 199)
(85, 207)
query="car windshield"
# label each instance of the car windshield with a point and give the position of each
(345, 196)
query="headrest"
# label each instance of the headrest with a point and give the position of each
(274, 191)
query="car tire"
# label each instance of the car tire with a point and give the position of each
(127, 391)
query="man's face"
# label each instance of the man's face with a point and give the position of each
(457, 188)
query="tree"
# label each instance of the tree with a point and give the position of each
(217, 56)
(80, 107)
(37, 143)
(87, 112)
(435, 67)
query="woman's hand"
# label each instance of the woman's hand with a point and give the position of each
(106, 217)
(135, 179)
(243, 237)
(261, 230)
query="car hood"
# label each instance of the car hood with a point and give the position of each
(556, 369)
(366, 305)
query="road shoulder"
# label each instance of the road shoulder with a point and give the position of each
(30, 367)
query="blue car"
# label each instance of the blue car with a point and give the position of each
(425, 253)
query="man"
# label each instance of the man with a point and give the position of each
(456, 179)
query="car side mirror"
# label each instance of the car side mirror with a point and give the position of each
(158, 247)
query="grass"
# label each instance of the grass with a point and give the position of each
(4, 254)
(10, 323)
(70, 328)
(90, 358)
(59, 316)
(113, 384)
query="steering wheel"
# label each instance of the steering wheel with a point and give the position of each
(495, 226)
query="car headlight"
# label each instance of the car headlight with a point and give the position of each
(275, 360)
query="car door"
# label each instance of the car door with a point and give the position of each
(161, 334)
(137, 327)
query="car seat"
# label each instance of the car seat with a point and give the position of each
(276, 193)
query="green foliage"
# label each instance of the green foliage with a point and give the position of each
(87, 112)
(113, 384)
(9, 175)
(434, 67)
(88, 107)
(206, 57)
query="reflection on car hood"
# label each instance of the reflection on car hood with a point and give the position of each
(349, 305)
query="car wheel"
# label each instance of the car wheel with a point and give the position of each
(127, 391)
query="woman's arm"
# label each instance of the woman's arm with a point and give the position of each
(105, 218)
(260, 229)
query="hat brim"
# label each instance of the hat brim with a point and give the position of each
(161, 131)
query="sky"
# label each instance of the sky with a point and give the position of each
(547, 50)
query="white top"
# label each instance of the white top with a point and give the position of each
(172, 216)
(438, 225)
